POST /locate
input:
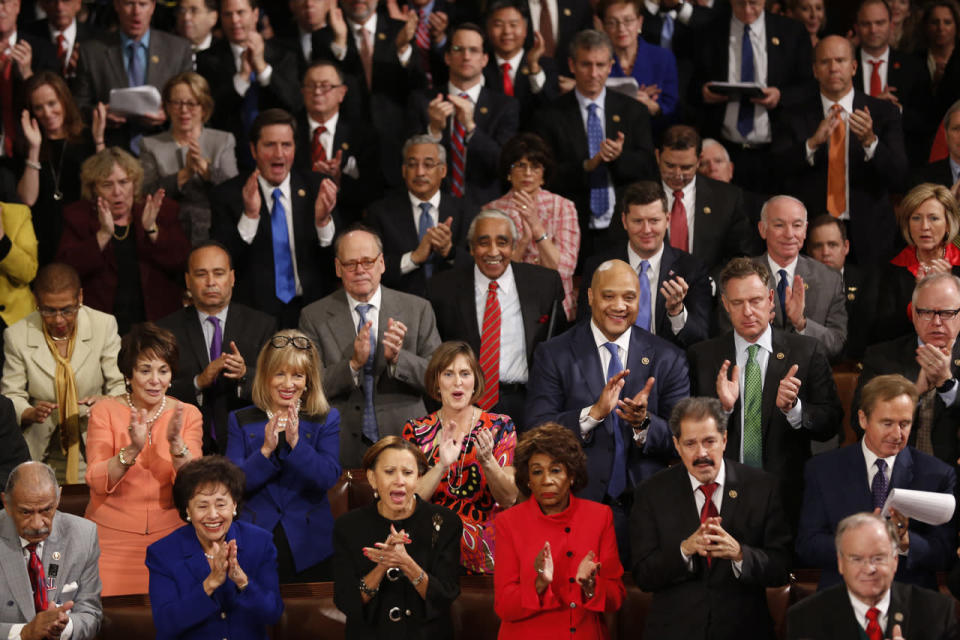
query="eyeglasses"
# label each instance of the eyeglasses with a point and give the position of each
(180, 104)
(523, 166)
(300, 342)
(366, 263)
(429, 164)
(864, 561)
(66, 312)
(461, 50)
(323, 87)
(943, 314)
(613, 23)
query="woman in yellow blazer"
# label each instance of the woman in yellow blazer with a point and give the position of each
(18, 262)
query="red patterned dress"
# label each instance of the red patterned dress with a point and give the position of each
(464, 487)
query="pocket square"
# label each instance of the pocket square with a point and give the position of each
(69, 587)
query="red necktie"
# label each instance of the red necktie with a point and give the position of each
(459, 159)
(678, 223)
(709, 509)
(874, 632)
(423, 42)
(62, 51)
(507, 82)
(38, 581)
(318, 154)
(546, 29)
(876, 86)
(6, 103)
(490, 349)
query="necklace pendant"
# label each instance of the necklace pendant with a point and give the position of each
(58, 195)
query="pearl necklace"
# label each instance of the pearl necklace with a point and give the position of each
(282, 418)
(149, 421)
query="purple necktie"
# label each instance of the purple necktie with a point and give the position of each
(879, 486)
(216, 344)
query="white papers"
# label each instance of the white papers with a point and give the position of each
(737, 90)
(926, 506)
(135, 101)
(626, 85)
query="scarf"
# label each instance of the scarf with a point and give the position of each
(67, 405)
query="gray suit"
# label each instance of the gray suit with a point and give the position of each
(72, 548)
(398, 397)
(162, 158)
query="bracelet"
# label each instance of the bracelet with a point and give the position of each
(123, 459)
(182, 453)
(150, 232)
(542, 238)
(367, 591)
(33, 164)
(419, 579)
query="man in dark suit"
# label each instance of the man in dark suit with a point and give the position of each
(195, 22)
(708, 536)
(309, 16)
(895, 76)
(678, 298)
(277, 225)
(218, 341)
(778, 58)
(612, 384)
(929, 356)
(333, 142)
(427, 227)
(601, 140)
(247, 75)
(62, 29)
(875, 164)
(135, 55)
(471, 121)
(527, 75)
(778, 386)
(530, 307)
(870, 604)
(559, 25)
(715, 163)
(946, 171)
(859, 477)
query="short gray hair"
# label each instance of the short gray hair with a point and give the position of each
(697, 408)
(422, 138)
(932, 279)
(491, 214)
(774, 199)
(14, 476)
(590, 39)
(952, 110)
(709, 142)
(862, 519)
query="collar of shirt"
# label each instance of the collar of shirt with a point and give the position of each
(871, 460)
(635, 259)
(584, 102)
(70, 33)
(506, 284)
(415, 203)
(758, 28)
(330, 124)
(514, 63)
(652, 7)
(12, 40)
(473, 92)
(237, 52)
(23, 547)
(370, 25)
(954, 169)
(765, 342)
(721, 480)
(222, 316)
(204, 44)
(846, 102)
(623, 342)
(374, 302)
(866, 57)
(860, 609)
(689, 195)
(267, 188)
(126, 40)
(791, 269)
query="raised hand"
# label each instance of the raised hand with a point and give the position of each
(49, 623)
(788, 389)
(483, 441)
(337, 24)
(22, 54)
(438, 111)
(674, 291)
(441, 238)
(138, 430)
(151, 209)
(293, 426)
(609, 397)
(361, 347)
(393, 340)
(251, 196)
(543, 563)
(794, 303)
(825, 129)
(450, 444)
(234, 571)
(105, 217)
(634, 410)
(234, 365)
(587, 572)
(728, 387)
(270, 437)
(219, 564)
(99, 126)
(861, 125)
(325, 202)
(721, 544)
(175, 430)
(463, 108)
(331, 167)
(31, 130)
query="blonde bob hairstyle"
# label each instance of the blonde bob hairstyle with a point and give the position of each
(197, 85)
(272, 359)
(99, 167)
(920, 194)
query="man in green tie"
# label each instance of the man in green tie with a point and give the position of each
(777, 387)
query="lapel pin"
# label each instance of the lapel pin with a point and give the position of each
(732, 493)
(345, 146)
(155, 59)
(898, 616)
(780, 355)
(616, 118)
(957, 362)
(707, 210)
(483, 110)
(525, 70)
(851, 288)
(851, 296)
(566, 12)
(56, 555)
(645, 360)
(896, 65)
(301, 193)
(775, 40)
(381, 36)
(806, 285)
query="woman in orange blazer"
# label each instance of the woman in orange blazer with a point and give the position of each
(136, 443)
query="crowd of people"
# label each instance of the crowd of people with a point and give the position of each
(566, 281)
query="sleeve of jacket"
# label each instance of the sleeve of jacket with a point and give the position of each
(698, 303)
(78, 244)
(87, 612)
(546, 392)
(174, 610)
(815, 546)
(484, 147)
(515, 595)
(832, 334)
(636, 161)
(246, 455)
(317, 463)
(13, 384)
(412, 364)
(768, 565)
(19, 244)
(262, 595)
(15, 447)
(889, 163)
(113, 382)
(821, 411)
(657, 562)
(672, 385)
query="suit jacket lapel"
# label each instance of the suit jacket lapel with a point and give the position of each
(198, 345)
(467, 304)
(341, 323)
(899, 611)
(701, 230)
(528, 294)
(81, 347)
(667, 259)
(777, 365)
(587, 358)
(902, 473)
(575, 125)
(14, 569)
(115, 55)
(481, 110)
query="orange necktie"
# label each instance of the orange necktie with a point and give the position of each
(837, 166)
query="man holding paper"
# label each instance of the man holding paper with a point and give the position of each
(859, 477)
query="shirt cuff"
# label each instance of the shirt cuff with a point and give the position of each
(678, 321)
(264, 76)
(247, 228)
(325, 234)
(67, 630)
(241, 83)
(687, 560)
(737, 566)
(338, 52)
(950, 396)
(405, 56)
(810, 153)
(537, 81)
(795, 415)
(587, 424)
(407, 264)
(868, 152)
(14, 633)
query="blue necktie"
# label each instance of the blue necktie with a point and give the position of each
(369, 426)
(879, 486)
(782, 293)
(745, 117)
(135, 76)
(618, 472)
(666, 31)
(643, 310)
(425, 223)
(282, 258)
(599, 198)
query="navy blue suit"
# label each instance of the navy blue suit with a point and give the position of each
(290, 487)
(181, 608)
(836, 487)
(566, 376)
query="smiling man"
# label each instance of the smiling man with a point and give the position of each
(859, 477)
(374, 343)
(219, 342)
(722, 554)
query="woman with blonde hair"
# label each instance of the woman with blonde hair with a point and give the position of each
(288, 445)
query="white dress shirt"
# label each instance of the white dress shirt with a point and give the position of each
(598, 222)
(681, 14)
(867, 69)
(69, 38)
(717, 499)
(653, 276)
(537, 80)
(513, 344)
(241, 81)
(552, 5)
(406, 261)
(689, 199)
(761, 133)
(306, 43)
(373, 317)
(860, 609)
(588, 424)
(371, 26)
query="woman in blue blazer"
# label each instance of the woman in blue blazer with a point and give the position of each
(214, 577)
(288, 445)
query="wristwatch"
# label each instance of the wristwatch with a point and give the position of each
(947, 386)
(542, 238)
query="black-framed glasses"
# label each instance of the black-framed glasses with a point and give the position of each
(944, 314)
(366, 263)
(66, 312)
(181, 104)
(299, 342)
(322, 87)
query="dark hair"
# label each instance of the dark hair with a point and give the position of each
(208, 471)
(499, 5)
(604, 5)
(926, 12)
(211, 5)
(743, 268)
(588, 40)
(254, 4)
(393, 442)
(271, 117)
(864, 3)
(467, 26)
(681, 137)
(443, 357)
(56, 277)
(641, 193)
(530, 146)
(557, 442)
(323, 62)
(72, 121)
(825, 219)
(697, 408)
(206, 244)
(147, 337)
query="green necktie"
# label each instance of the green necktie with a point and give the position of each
(752, 394)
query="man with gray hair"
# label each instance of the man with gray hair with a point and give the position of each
(502, 309)
(48, 560)
(947, 170)
(928, 356)
(426, 227)
(869, 604)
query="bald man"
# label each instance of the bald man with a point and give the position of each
(613, 384)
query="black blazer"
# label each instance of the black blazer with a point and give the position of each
(528, 101)
(573, 17)
(785, 449)
(938, 172)
(828, 615)
(709, 602)
(673, 263)
(14, 447)
(246, 327)
(392, 218)
(41, 29)
(255, 284)
(721, 229)
(541, 305)
(684, 35)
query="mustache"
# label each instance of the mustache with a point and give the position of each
(704, 460)
(36, 533)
